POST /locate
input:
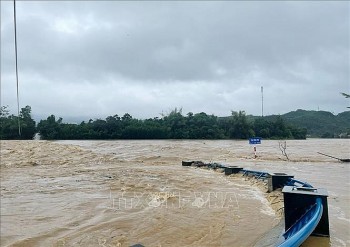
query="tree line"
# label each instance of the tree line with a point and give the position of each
(174, 125)
(10, 124)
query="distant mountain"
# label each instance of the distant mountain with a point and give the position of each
(319, 123)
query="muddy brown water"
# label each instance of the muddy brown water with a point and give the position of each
(120, 193)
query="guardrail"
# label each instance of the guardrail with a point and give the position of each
(304, 227)
(305, 207)
(294, 182)
(255, 174)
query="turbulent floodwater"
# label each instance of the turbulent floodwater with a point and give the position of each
(120, 193)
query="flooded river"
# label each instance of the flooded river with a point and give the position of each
(120, 193)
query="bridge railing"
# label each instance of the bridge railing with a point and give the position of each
(312, 217)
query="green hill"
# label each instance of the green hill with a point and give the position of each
(320, 123)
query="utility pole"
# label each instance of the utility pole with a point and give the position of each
(16, 59)
(262, 101)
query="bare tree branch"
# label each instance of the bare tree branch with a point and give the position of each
(283, 146)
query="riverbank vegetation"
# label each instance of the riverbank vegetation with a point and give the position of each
(174, 125)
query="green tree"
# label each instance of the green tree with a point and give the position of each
(176, 124)
(280, 130)
(262, 127)
(203, 126)
(28, 128)
(9, 124)
(114, 127)
(50, 129)
(240, 128)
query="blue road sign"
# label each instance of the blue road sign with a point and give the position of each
(255, 140)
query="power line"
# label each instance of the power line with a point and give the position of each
(16, 59)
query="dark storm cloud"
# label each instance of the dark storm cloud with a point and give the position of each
(144, 57)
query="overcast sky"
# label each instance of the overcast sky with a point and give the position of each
(91, 59)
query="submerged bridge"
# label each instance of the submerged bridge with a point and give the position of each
(305, 207)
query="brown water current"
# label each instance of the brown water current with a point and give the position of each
(120, 193)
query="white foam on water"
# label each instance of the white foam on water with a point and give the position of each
(78, 178)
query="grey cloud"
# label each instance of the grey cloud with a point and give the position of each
(226, 46)
(173, 43)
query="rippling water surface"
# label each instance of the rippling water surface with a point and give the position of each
(119, 193)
